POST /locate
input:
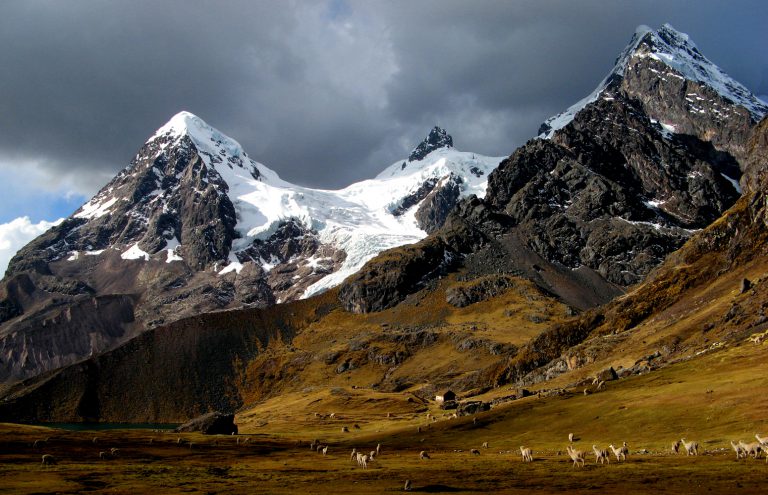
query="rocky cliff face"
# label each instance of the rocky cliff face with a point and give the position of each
(710, 267)
(612, 190)
(615, 186)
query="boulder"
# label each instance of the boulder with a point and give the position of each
(472, 407)
(523, 392)
(746, 284)
(607, 375)
(212, 423)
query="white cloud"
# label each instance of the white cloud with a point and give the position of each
(18, 232)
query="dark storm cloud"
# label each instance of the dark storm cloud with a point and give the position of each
(533, 59)
(325, 93)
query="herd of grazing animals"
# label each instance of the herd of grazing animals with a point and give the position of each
(578, 457)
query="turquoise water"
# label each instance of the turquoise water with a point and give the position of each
(108, 426)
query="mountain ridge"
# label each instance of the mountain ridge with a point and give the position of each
(193, 224)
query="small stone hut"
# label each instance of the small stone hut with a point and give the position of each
(445, 396)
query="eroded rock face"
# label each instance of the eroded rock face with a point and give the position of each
(612, 190)
(756, 173)
(395, 274)
(688, 107)
(58, 336)
(296, 258)
(438, 203)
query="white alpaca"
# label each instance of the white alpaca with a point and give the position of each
(485, 445)
(570, 437)
(740, 452)
(364, 461)
(752, 449)
(691, 448)
(576, 455)
(424, 455)
(763, 440)
(353, 455)
(371, 455)
(676, 446)
(620, 453)
(325, 450)
(527, 454)
(601, 455)
(378, 449)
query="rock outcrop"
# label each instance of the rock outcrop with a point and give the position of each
(437, 138)
(212, 423)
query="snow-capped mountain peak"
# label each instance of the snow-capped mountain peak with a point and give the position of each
(679, 52)
(192, 201)
(682, 59)
(214, 146)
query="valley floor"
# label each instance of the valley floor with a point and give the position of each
(260, 467)
(272, 455)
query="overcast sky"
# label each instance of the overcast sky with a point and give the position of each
(326, 93)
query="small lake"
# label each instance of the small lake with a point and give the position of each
(108, 426)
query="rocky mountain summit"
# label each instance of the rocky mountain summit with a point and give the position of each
(193, 224)
(437, 138)
(610, 188)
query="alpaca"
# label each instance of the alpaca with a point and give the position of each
(691, 448)
(576, 455)
(620, 453)
(527, 454)
(601, 455)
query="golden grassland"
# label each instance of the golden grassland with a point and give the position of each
(714, 398)
(510, 319)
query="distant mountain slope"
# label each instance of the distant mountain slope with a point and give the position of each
(194, 225)
(612, 190)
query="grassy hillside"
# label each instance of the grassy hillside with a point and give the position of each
(712, 399)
